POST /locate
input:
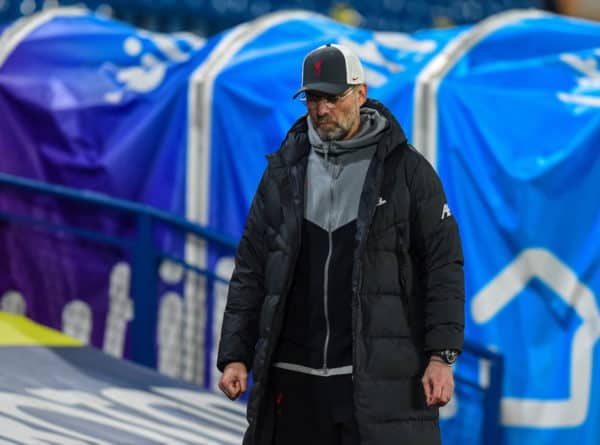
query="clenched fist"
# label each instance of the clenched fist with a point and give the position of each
(234, 380)
(438, 383)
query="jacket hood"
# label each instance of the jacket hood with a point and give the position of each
(372, 124)
(296, 144)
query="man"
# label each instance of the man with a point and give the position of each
(347, 298)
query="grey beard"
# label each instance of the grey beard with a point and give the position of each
(336, 134)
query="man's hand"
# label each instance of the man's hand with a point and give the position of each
(438, 383)
(234, 380)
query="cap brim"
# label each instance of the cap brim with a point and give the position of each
(323, 87)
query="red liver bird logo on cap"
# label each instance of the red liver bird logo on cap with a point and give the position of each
(318, 64)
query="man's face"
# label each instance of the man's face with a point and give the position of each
(336, 118)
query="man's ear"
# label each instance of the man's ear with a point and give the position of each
(363, 91)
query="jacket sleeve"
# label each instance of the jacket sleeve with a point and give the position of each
(436, 241)
(246, 290)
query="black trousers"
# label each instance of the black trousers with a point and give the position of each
(313, 410)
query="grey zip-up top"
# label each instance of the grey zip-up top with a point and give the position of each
(317, 331)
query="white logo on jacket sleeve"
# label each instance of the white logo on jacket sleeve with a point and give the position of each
(380, 202)
(445, 212)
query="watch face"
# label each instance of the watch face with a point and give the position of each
(450, 356)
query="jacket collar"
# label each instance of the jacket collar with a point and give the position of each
(294, 147)
(392, 137)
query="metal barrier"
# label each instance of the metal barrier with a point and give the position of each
(144, 253)
(483, 391)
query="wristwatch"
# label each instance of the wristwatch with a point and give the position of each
(449, 356)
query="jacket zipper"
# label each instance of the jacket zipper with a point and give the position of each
(298, 229)
(326, 278)
(359, 287)
(357, 310)
(326, 302)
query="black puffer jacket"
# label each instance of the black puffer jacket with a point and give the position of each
(408, 292)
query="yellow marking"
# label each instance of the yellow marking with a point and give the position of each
(16, 330)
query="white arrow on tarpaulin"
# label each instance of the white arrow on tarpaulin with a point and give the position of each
(489, 301)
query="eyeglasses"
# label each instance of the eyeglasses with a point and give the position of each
(331, 100)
